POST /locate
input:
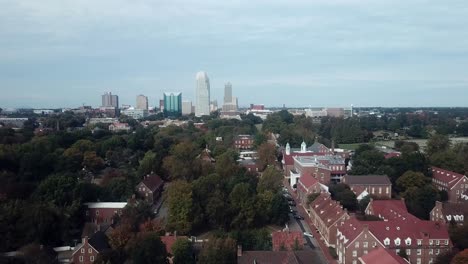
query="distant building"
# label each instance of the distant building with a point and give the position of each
(135, 113)
(105, 120)
(142, 102)
(150, 189)
(187, 107)
(455, 184)
(213, 106)
(202, 94)
(172, 104)
(117, 126)
(447, 212)
(110, 100)
(243, 142)
(257, 107)
(335, 112)
(230, 102)
(250, 164)
(100, 213)
(161, 105)
(43, 111)
(88, 250)
(14, 122)
(287, 240)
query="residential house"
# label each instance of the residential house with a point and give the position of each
(87, 251)
(250, 164)
(205, 156)
(117, 126)
(377, 186)
(382, 256)
(455, 184)
(168, 240)
(103, 212)
(447, 212)
(287, 240)
(150, 188)
(325, 214)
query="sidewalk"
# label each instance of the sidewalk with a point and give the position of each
(317, 235)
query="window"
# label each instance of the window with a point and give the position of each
(408, 252)
(431, 251)
(380, 190)
(356, 245)
(418, 252)
(82, 250)
(419, 242)
(437, 242)
(365, 244)
(97, 212)
(397, 251)
(397, 241)
(418, 261)
(437, 251)
(91, 258)
(354, 253)
(81, 258)
(387, 190)
(446, 242)
(90, 250)
(386, 242)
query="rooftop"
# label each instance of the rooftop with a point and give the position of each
(106, 205)
(450, 178)
(366, 180)
(382, 256)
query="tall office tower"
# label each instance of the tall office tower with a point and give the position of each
(202, 94)
(109, 100)
(186, 107)
(142, 102)
(227, 93)
(172, 103)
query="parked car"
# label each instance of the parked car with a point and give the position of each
(308, 234)
(298, 217)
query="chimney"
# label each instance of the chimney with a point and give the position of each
(84, 240)
(239, 251)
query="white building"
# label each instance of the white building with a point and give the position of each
(142, 102)
(186, 107)
(202, 94)
(135, 113)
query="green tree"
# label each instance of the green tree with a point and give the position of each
(57, 189)
(266, 155)
(180, 203)
(149, 249)
(92, 162)
(411, 179)
(182, 153)
(242, 205)
(219, 251)
(271, 180)
(148, 164)
(183, 252)
(437, 143)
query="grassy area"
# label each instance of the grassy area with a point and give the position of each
(353, 146)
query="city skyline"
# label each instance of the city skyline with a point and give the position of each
(298, 53)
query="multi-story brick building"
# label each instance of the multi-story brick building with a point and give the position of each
(389, 210)
(447, 212)
(325, 214)
(455, 184)
(100, 213)
(377, 186)
(382, 256)
(243, 142)
(88, 250)
(306, 186)
(150, 188)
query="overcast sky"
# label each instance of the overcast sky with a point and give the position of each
(63, 53)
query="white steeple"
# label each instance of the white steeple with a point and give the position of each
(288, 149)
(303, 147)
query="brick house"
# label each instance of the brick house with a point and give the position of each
(325, 214)
(100, 213)
(150, 188)
(87, 251)
(447, 212)
(377, 186)
(287, 240)
(455, 184)
(250, 165)
(243, 142)
(168, 241)
(309, 166)
(307, 185)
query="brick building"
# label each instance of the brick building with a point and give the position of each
(250, 164)
(150, 188)
(287, 240)
(243, 142)
(308, 185)
(100, 213)
(447, 212)
(325, 214)
(377, 186)
(88, 250)
(455, 184)
(382, 256)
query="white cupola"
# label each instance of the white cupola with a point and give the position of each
(288, 149)
(303, 147)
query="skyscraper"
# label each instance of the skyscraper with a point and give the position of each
(186, 107)
(202, 94)
(173, 104)
(142, 102)
(228, 93)
(109, 100)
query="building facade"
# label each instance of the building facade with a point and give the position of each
(377, 186)
(100, 213)
(448, 213)
(150, 189)
(142, 102)
(187, 107)
(110, 100)
(455, 184)
(243, 142)
(173, 103)
(202, 94)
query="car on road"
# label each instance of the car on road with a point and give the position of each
(308, 234)
(298, 217)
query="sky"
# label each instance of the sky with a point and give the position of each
(66, 53)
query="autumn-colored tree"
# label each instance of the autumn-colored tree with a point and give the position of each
(120, 236)
(461, 258)
(266, 155)
(92, 161)
(271, 180)
(181, 164)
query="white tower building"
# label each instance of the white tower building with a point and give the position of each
(202, 94)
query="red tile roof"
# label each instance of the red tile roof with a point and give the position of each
(286, 240)
(392, 155)
(350, 228)
(366, 180)
(382, 256)
(450, 178)
(391, 209)
(289, 159)
(153, 182)
(327, 209)
(308, 181)
(277, 257)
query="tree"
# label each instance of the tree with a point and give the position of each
(402, 253)
(363, 203)
(311, 197)
(279, 210)
(180, 203)
(461, 258)
(149, 249)
(242, 206)
(271, 180)
(183, 153)
(218, 251)
(93, 162)
(57, 189)
(462, 129)
(266, 155)
(421, 200)
(148, 164)
(437, 143)
(183, 252)
(411, 179)
(342, 193)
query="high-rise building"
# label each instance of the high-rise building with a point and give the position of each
(109, 100)
(173, 103)
(202, 94)
(227, 93)
(186, 107)
(142, 102)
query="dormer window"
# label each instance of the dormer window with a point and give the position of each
(387, 241)
(408, 241)
(397, 241)
(419, 242)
